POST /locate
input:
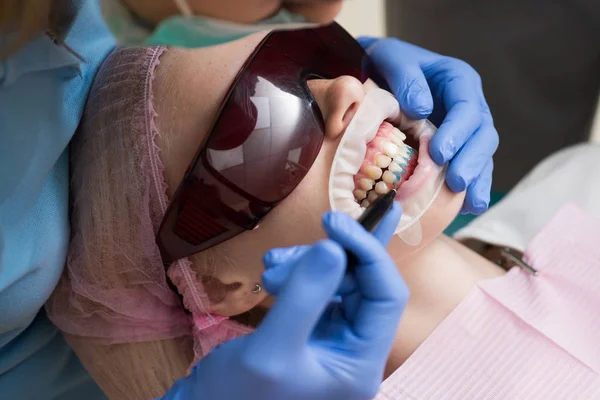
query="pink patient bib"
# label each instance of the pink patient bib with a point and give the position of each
(519, 336)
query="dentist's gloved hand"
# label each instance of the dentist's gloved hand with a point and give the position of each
(449, 92)
(308, 346)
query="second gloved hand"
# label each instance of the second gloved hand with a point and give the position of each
(449, 92)
(309, 347)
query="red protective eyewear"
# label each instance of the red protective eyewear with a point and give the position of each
(266, 137)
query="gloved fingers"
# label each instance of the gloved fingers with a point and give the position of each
(382, 290)
(301, 301)
(283, 255)
(279, 264)
(377, 319)
(352, 236)
(386, 228)
(348, 291)
(351, 305)
(367, 41)
(456, 85)
(349, 284)
(273, 279)
(332, 322)
(472, 158)
(477, 199)
(481, 186)
(403, 75)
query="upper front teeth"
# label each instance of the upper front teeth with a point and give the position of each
(399, 134)
(397, 140)
(401, 160)
(390, 149)
(382, 161)
(394, 167)
(360, 194)
(385, 163)
(366, 184)
(381, 187)
(372, 196)
(389, 177)
(374, 171)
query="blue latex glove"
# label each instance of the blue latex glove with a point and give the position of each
(308, 346)
(449, 92)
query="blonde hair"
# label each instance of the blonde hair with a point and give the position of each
(27, 18)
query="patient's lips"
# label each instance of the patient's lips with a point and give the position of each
(388, 163)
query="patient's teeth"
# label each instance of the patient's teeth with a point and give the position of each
(390, 149)
(360, 194)
(394, 167)
(372, 196)
(401, 161)
(399, 134)
(381, 188)
(405, 152)
(366, 184)
(373, 172)
(365, 203)
(382, 160)
(389, 177)
(395, 139)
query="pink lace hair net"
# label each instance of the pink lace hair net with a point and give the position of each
(115, 288)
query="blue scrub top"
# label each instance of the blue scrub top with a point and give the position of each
(43, 89)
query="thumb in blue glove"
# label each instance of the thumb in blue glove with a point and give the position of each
(280, 262)
(308, 347)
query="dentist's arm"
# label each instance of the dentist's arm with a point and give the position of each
(308, 346)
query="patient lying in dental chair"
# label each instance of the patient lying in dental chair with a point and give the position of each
(523, 336)
(470, 331)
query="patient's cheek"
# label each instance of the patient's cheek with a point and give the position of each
(297, 219)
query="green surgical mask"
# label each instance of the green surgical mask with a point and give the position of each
(198, 31)
(185, 30)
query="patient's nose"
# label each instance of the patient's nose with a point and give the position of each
(338, 100)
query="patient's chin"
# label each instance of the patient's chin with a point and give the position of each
(320, 13)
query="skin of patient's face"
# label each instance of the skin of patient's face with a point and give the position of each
(241, 11)
(188, 90)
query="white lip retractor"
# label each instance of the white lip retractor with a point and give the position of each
(415, 195)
